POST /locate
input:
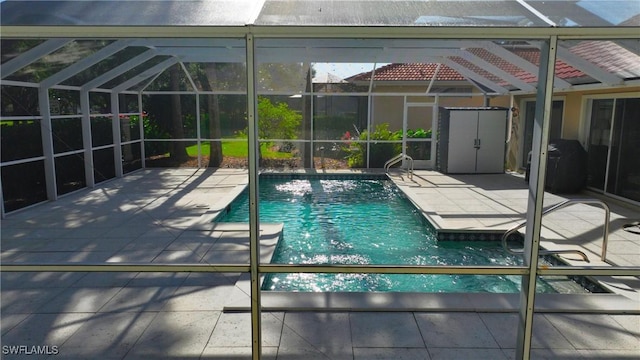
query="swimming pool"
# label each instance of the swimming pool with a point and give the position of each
(331, 220)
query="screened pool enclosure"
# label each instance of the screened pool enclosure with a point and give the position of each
(96, 90)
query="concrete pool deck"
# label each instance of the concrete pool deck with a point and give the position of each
(477, 205)
(156, 216)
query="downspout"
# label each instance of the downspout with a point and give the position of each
(510, 125)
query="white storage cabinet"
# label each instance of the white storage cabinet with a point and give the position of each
(472, 140)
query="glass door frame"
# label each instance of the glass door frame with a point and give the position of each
(585, 136)
(420, 163)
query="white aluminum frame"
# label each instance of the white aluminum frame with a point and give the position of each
(549, 37)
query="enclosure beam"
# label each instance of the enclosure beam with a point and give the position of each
(85, 63)
(120, 69)
(145, 75)
(589, 68)
(493, 69)
(537, 13)
(519, 62)
(32, 55)
(254, 219)
(544, 101)
(472, 75)
(350, 32)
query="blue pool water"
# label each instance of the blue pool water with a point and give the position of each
(365, 222)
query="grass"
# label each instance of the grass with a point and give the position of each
(238, 149)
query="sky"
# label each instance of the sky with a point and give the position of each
(614, 11)
(344, 70)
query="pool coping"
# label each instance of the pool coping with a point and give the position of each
(434, 302)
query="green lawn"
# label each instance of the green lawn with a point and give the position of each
(238, 149)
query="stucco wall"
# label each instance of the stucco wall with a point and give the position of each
(390, 108)
(572, 115)
(575, 117)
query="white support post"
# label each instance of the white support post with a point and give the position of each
(542, 120)
(370, 106)
(1, 201)
(405, 111)
(311, 120)
(141, 127)
(87, 141)
(434, 132)
(47, 143)
(198, 131)
(254, 219)
(117, 137)
(369, 125)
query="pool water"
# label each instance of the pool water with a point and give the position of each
(334, 221)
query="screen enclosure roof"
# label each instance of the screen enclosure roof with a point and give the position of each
(418, 13)
(492, 43)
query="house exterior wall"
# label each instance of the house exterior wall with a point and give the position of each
(572, 115)
(576, 114)
(575, 119)
(390, 108)
(470, 101)
(501, 101)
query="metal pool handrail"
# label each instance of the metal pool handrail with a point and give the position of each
(605, 235)
(396, 159)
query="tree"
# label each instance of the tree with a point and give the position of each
(214, 76)
(215, 154)
(277, 121)
(178, 148)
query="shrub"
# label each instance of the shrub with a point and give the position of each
(380, 152)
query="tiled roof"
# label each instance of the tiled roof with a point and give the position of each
(563, 70)
(632, 21)
(425, 71)
(609, 56)
(410, 72)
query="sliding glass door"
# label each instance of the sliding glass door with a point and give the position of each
(614, 147)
